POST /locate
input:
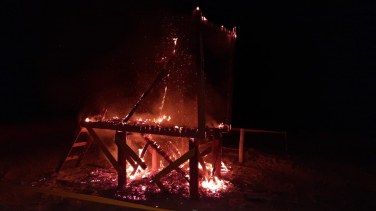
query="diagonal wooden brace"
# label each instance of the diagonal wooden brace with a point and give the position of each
(201, 161)
(144, 150)
(131, 153)
(206, 151)
(171, 167)
(107, 153)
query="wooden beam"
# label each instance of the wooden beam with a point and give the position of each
(171, 167)
(144, 150)
(201, 161)
(200, 76)
(206, 151)
(193, 169)
(131, 153)
(107, 153)
(122, 159)
(175, 164)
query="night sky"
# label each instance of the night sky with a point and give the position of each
(307, 65)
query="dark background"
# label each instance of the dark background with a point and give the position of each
(305, 67)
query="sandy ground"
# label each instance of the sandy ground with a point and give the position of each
(265, 181)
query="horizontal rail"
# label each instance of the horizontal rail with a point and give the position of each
(149, 129)
(259, 131)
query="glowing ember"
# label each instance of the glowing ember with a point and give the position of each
(87, 120)
(214, 184)
(197, 8)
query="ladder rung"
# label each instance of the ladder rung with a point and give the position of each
(79, 144)
(72, 157)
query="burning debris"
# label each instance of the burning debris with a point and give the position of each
(140, 186)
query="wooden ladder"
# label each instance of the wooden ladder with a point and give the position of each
(83, 145)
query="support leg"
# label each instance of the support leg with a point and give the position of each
(193, 170)
(122, 159)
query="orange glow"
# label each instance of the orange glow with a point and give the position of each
(87, 120)
(197, 8)
(175, 40)
(214, 184)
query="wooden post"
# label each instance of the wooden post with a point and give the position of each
(122, 159)
(200, 76)
(241, 146)
(154, 159)
(193, 170)
(217, 155)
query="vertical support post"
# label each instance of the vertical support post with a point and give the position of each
(121, 136)
(231, 81)
(217, 155)
(241, 146)
(200, 76)
(154, 158)
(193, 170)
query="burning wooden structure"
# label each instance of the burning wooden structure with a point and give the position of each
(202, 134)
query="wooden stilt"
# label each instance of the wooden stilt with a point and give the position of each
(241, 146)
(193, 170)
(122, 159)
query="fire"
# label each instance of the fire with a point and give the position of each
(87, 120)
(214, 184)
(221, 125)
(197, 8)
(175, 40)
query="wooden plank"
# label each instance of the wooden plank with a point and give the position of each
(79, 144)
(107, 153)
(72, 157)
(131, 153)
